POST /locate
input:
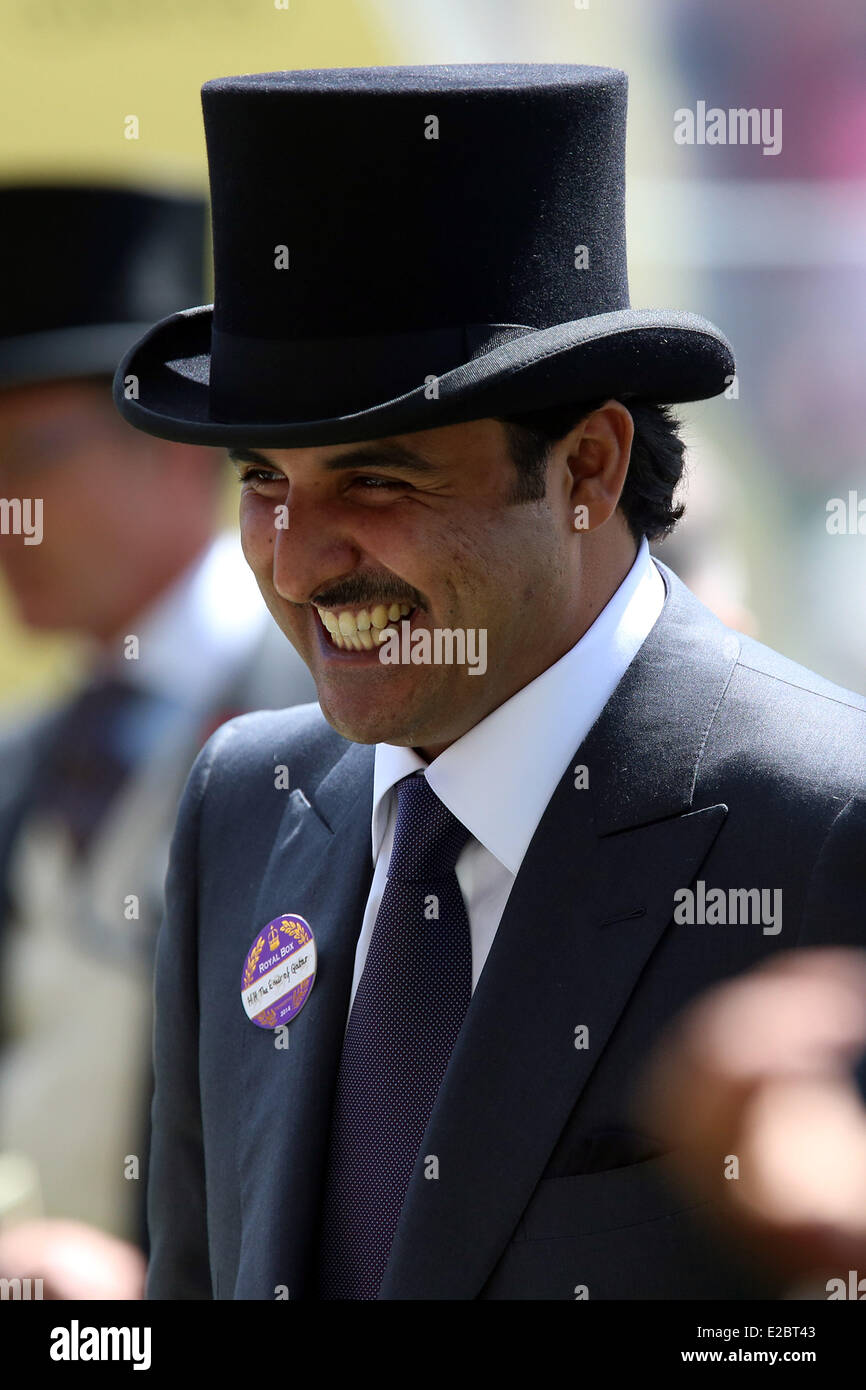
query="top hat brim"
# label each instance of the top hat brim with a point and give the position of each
(162, 385)
(64, 354)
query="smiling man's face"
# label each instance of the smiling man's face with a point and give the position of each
(427, 521)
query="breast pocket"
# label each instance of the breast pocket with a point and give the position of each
(586, 1203)
(622, 1233)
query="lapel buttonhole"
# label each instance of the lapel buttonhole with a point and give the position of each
(624, 917)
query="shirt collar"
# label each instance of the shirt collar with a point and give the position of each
(499, 776)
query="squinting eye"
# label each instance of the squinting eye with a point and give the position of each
(380, 482)
(260, 476)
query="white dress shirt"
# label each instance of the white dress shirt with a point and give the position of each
(499, 776)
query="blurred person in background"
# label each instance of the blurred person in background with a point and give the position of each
(784, 239)
(128, 556)
(705, 550)
(769, 1069)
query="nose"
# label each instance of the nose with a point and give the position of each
(311, 550)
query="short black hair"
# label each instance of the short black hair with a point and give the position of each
(655, 466)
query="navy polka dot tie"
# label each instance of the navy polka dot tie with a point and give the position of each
(407, 1012)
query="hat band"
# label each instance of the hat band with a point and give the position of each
(271, 379)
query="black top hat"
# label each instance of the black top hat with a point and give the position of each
(399, 248)
(86, 269)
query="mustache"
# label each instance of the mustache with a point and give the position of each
(366, 592)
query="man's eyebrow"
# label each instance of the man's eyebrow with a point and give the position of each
(387, 455)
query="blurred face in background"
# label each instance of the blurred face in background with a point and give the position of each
(122, 513)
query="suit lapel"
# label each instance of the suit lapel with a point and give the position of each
(589, 904)
(320, 868)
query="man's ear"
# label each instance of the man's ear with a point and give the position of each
(596, 454)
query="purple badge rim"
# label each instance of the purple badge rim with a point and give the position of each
(292, 934)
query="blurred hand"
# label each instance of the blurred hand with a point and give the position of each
(760, 1068)
(74, 1261)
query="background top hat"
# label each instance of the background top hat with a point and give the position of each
(86, 268)
(396, 249)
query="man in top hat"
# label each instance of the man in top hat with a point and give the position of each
(129, 557)
(547, 796)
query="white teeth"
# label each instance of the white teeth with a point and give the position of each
(363, 630)
(379, 634)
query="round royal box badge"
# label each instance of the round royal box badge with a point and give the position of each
(279, 971)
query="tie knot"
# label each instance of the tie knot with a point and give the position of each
(428, 837)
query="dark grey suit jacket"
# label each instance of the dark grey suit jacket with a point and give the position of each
(716, 759)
